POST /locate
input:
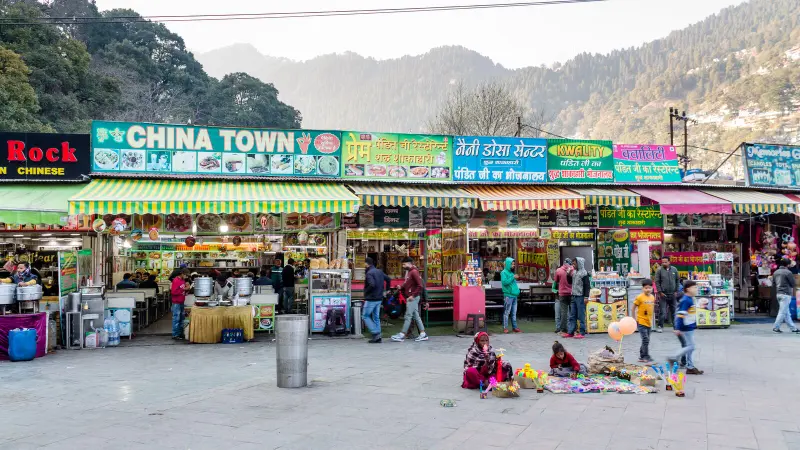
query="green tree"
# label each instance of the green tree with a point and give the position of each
(242, 100)
(18, 105)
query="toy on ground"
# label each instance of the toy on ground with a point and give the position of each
(673, 377)
(503, 389)
(596, 383)
(500, 353)
(531, 379)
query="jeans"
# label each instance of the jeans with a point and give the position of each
(412, 312)
(557, 306)
(288, 299)
(577, 312)
(783, 313)
(667, 303)
(564, 302)
(372, 316)
(644, 333)
(510, 307)
(688, 348)
(177, 319)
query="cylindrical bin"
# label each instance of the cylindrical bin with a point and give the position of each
(291, 353)
(357, 305)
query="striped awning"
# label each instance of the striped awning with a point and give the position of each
(609, 196)
(200, 197)
(755, 202)
(526, 198)
(36, 203)
(413, 195)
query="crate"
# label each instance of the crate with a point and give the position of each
(232, 336)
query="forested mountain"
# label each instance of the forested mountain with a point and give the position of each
(737, 73)
(56, 77)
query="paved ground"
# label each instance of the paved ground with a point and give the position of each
(387, 396)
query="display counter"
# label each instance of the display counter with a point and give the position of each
(206, 324)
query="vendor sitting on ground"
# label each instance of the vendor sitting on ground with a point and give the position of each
(563, 364)
(481, 364)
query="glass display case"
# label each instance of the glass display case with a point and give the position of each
(329, 290)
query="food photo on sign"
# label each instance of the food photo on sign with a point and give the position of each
(396, 156)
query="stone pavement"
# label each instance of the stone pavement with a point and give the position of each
(387, 396)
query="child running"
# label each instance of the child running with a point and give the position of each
(563, 364)
(685, 326)
(643, 312)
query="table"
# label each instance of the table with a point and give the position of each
(206, 324)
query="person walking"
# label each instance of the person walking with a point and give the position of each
(178, 290)
(412, 291)
(685, 326)
(287, 277)
(376, 282)
(580, 295)
(667, 283)
(785, 286)
(510, 295)
(564, 283)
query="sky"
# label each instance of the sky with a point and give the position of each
(513, 37)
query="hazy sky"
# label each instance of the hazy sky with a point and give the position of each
(514, 37)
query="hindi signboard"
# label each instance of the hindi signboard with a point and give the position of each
(499, 159)
(641, 163)
(627, 217)
(411, 157)
(578, 161)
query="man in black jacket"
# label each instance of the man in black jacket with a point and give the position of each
(375, 281)
(287, 275)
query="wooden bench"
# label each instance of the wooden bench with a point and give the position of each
(438, 300)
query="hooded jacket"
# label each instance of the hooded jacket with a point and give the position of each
(580, 279)
(510, 288)
(374, 284)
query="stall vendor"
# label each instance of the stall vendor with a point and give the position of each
(480, 363)
(23, 275)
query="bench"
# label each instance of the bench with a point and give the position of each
(438, 300)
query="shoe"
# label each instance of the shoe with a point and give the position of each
(776, 330)
(796, 330)
(671, 361)
(505, 330)
(565, 335)
(558, 331)
(649, 361)
(422, 337)
(694, 371)
(659, 330)
(399, 337)
(642, 360)
(578, 336)
(517, 330)
(376, 340)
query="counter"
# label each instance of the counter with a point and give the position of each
(467, 300)
(206, 324)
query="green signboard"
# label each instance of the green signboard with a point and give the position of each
(155, 149)
(614, 251)
(378, 156)
(578, 161)
(630, 217)
(67, 272)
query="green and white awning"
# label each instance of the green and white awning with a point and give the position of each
(413, 195)
(202, 197)
(754, 202)
(608, 196)
(37, 204)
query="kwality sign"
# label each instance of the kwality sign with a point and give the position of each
(44, 157)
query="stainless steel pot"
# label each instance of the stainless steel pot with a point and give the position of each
(8, 294)
(203, 287)
(243, 286)
(29, 293)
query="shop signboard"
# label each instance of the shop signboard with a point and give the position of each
(67, 272)
(532, 263)
(499, 160)
(634, 216)
(522, 219)
(690, 262)
(582, 218)
(410, 157)
(488, 219)
(643, 163)
(771, 165)
(130, 148)
(694, 222)
(614, 251)
(44, 157)
(568, 235)
(391, 217)
(432, 217)
(646, 235)
(579, 161)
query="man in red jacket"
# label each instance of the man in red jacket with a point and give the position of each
(564, 282)
(412, 291)
(178, 290)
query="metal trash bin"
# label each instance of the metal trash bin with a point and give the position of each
(291, 332)
(357, 309)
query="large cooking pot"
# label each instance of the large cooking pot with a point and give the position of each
(243, 286)
(8, 294)
(203, 287)
(29, 293)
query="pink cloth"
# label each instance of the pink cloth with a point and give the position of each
(177, 291)
(10, 322)
(473, 378)
(686, 201)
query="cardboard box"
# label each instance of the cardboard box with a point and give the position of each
(635, 379)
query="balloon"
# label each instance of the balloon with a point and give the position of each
(136, 235)
(190, 241)
(153, 234)
(614, 332)
(99, 225)
(627, 325)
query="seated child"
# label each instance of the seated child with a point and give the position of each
(481, 364)
(563, 364)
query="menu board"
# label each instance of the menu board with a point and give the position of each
(772, 165)
(633, 216)
(695, 221)
(577, 161)
(67, 272)
(568, 218)
(380, 156)
(349, 220)
(532, 261)
(499, 159)
(600, 315)
(128, 147)
(488, 219)
(434, 262)
(614, 251)
(308, 221)
(432, 217)
(642, 163)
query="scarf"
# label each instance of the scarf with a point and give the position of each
(485, 362)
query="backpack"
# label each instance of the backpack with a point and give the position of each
(392, 306)
(335, 323)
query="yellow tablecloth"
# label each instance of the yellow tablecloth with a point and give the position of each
(206, 324)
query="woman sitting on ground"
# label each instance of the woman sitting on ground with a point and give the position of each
(481, 364)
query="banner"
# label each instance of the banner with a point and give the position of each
(690, 262)
(634, 216)
(772, 165)
(67, 272)
(584, 218)
(575, 161)
(499, 159)
(638, 163)
(127, 148)
(380, 156)
(614, 251)
(694, 221)
(44, 157)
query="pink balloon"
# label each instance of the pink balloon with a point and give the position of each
(614, 331)
(627, 325)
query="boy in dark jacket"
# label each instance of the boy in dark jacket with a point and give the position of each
(685, 326)
(375, 283)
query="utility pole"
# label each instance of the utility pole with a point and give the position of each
(675, 114)
(519, 127)
(685, 142)
(671, 129)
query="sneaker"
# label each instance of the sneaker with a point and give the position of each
(558, 331)
(796, 330)
(422, 337)
(776, 330)
(578, 336)
(517, 330)
(565, 335)
(376, 339)
(642, 360)
(399, 337)
(694, 371)
(505, 330)
(659, 330)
